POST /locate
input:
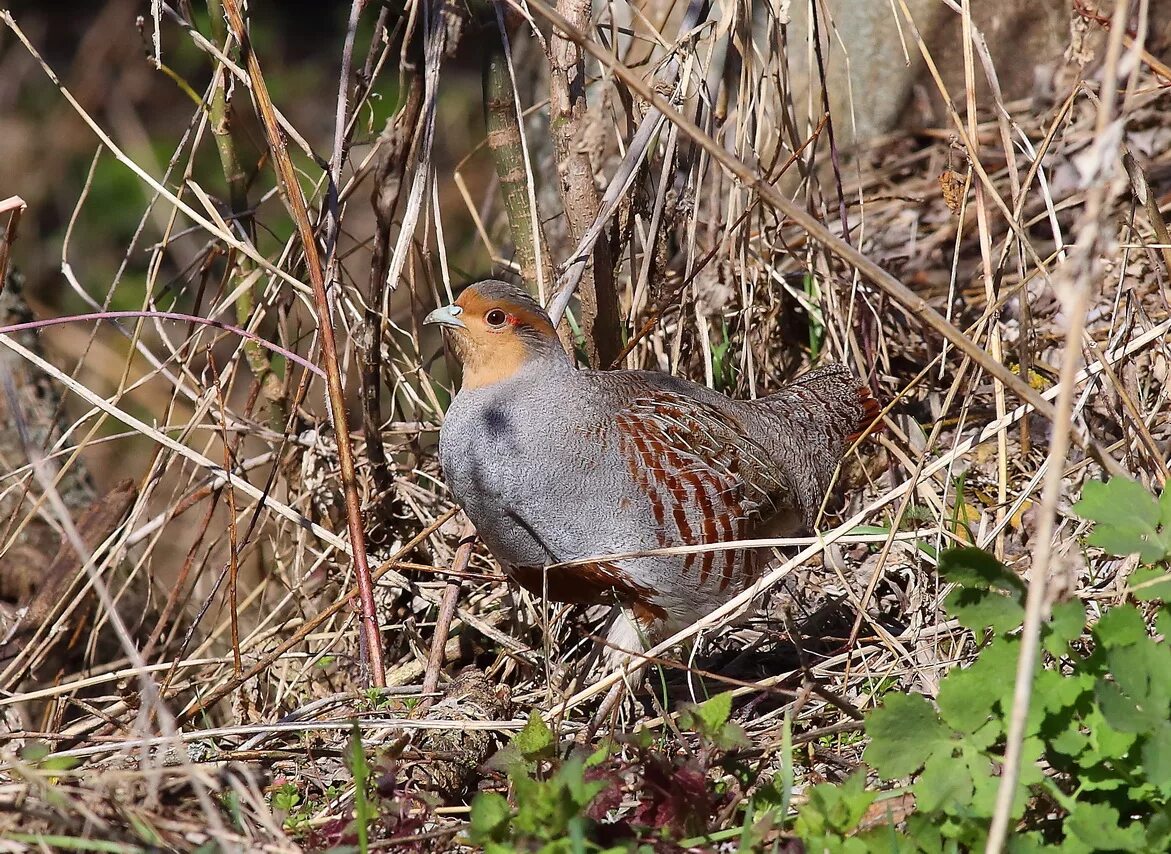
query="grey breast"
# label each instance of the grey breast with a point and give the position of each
(534, 469)
(492, 462)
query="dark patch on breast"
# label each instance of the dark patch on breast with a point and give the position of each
(496, 421)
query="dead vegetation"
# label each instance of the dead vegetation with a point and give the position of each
(187, 669)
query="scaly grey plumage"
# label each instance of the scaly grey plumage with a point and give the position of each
(555, 464)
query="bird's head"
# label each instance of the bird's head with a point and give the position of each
(496, 329)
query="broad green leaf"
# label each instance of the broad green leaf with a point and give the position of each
(987, 735)
(572, 776)
(1149, 582)
(1106, 741)
(1121, 711)
(985, 783)
(1032, 754)
(1157, 757)
(925, 831)
(904, 732)
(709, 717)
(1159, 826)
(489, 818)
(1098, 826)
(944, 786)
(1066, 624)
(1055, 691)
(1070, 741)
(968, 698)
(1127, 538)
(1120, 626)
(1026, 843)
(1144, 671)
(1139, 698)
(1163, 620)
(835, 808)
(976, 568)
(1119, 500)
(1127, 517)
(978, 609)
(535, 739)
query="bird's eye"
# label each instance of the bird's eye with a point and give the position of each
(495, 317)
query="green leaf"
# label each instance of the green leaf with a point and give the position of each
(1127, 517)
(904, 732)
(1106, 742)
(360, 769)
(1139, 698)
(489, 818)
(1147, 582)
(709, 717)
(976, 568)
(1066, 624)
(1122, 625)
(599, 756)
(1032, 754)
(835, 808)
(1122, 713)
(944, 786)
(986, 784)
(924, 830)
(572, 776)
(1157, 757)
(535, 740)
(968, 698)
(34, 752)
(1026, 843)
(1127, 538)
(1098, 825)
(1055, 691)
(978, 609)
(1118, 500)
(1070, 741)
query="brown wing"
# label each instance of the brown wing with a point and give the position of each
(705, 480)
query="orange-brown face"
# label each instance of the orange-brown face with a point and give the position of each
(494, 329)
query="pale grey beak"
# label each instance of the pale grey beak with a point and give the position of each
(448, 315)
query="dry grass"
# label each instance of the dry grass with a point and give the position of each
(206, 648)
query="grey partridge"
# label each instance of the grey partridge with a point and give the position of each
(555, 465)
